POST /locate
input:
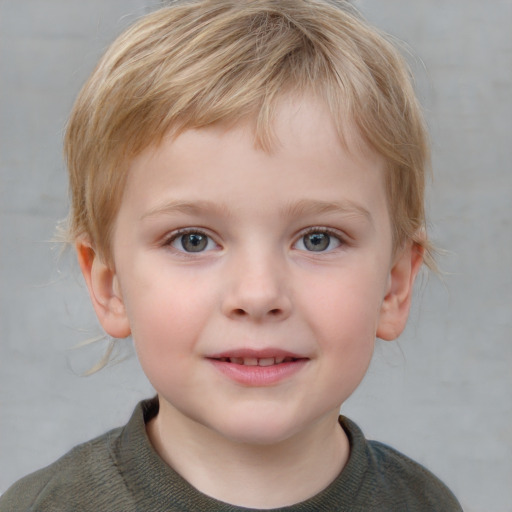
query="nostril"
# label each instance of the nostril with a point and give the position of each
(240, 312)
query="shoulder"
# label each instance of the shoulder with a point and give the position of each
(70, 483)
(409, 478)
(390, 476)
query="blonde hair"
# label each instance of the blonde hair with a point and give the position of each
(196, 63)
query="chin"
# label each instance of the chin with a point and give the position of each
(258, 429)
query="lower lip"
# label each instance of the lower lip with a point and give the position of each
(257, 376)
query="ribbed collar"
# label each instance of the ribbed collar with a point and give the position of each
(156, 486)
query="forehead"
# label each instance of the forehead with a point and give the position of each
(306, 158)
(302, 120)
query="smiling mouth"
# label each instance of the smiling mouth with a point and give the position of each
(258, 368)
(257, 361)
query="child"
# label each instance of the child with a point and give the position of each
(247, 202)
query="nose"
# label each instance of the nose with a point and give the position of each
(257, 290)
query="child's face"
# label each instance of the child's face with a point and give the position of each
(226, 254)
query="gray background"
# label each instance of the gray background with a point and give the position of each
(442, 394)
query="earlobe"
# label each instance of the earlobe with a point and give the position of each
(397, 302)
(104, 291)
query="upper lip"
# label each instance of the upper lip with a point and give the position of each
(265, 353)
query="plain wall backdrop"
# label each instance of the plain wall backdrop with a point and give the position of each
(442, 394)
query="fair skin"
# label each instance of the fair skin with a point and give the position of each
(254, 284)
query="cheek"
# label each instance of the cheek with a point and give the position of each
(346, 301)
(344, 313)
(167, 318)
(164, 340)
(346, 337)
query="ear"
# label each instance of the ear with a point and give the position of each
(397, 302)
(104, 291)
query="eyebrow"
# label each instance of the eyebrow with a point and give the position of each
(187, 207)
(296, 209)
(318, 207)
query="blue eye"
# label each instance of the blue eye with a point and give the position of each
(318, 241)
(192, 241)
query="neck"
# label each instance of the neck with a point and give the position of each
(260, 476)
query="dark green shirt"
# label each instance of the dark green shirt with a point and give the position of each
(120, 471)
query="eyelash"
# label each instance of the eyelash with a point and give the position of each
(331, 233)
(168, 242)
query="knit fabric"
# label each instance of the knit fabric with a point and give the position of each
(120, 471)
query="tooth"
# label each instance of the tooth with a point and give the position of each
(279, 360)
(251, 361)
(236, 360)
(267, 361)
